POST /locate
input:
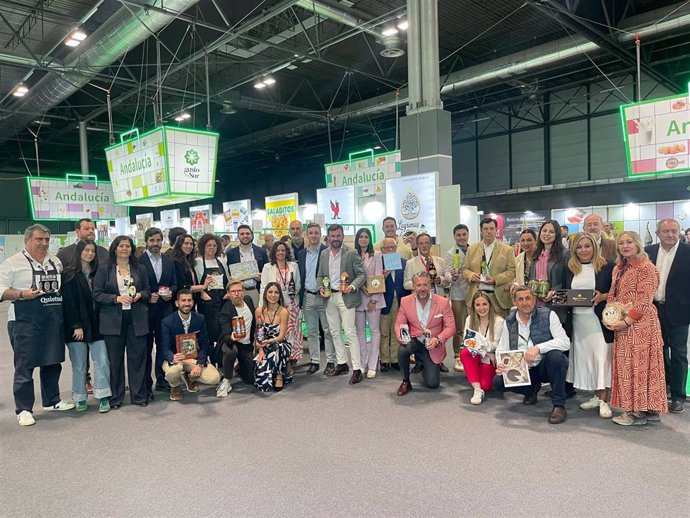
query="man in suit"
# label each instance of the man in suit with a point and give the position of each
(339, 264)
(394, 293)
(539, 333)
(490, 267)
(162, 281)
(672, 301)
(179, 367)
(311, 302)
(247, 251)
(423, 313)
(85, 229)
(236, 345)
(425, 262)
(595, 225)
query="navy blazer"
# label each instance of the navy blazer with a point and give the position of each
(260, 255)
(395, 289)
(171, 326)
(602, 283)
(105, 293)
(677, 307)
(302, 265)
(168, 278)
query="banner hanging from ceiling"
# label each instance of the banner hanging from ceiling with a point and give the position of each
(73, 198)
(366, 171)
(162, 167)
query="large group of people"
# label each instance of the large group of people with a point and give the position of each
(203, 312)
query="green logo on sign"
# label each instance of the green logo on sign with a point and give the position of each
(191, 157)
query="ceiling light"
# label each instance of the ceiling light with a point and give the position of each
(269, 81)
(79, 35)
(75, 38)
(259, 85)
(72, 42)
(377, 147)
(389, 31)
(20, 90)
(403, 25)
(185, 115)
(179, 119)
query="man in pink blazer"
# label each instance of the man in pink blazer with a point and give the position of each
(423, 311)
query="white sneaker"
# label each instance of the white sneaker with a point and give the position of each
(364, 370)
(478, 397)
(458, 366)
(605, 410)
(62, 406)
(592, 404)
(371, 373)
(25, 418)
(224, 388)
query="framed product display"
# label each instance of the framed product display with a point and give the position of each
(376, 284)
(575, 298)
(244, 270)
(188, 345)
(517, 371)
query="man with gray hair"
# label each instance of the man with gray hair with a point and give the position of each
(594, 225)
(31, 281)
(672, 259)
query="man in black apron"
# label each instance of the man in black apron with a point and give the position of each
(31, 280)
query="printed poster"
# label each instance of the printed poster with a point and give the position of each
(337, 204)
(237, 213)
(411, 200)
(199, 217)
(280, 211)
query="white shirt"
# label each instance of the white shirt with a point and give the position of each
(334, 270)
(423, 312)
(157, 263)
(664, 261)
(244, 312)
(559, 342)
(185, 323)
(15, 272)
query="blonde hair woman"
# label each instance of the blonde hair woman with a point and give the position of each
(590, 349)
(638, 382)
(480, 370)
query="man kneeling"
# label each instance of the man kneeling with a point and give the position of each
(538, 332)
(424, 324)
(185, 348)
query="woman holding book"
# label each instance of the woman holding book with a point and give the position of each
(483, 330)
(590, 349)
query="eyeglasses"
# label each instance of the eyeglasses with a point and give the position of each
(235, 291)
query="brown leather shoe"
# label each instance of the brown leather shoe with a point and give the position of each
(404, 388)
(558, 415)
(176, 393)
(341, 368)
(356, 377)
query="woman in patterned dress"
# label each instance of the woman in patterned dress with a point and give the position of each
(283, 271)
(273, 349)
(638, 381)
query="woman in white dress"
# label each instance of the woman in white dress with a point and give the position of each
(285, 272)
(591, 346)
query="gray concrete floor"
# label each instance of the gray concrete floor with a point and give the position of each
(322, 447)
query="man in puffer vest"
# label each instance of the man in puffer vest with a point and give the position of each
(539, 333)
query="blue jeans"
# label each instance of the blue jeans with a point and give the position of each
(551, 369)
(79, 356)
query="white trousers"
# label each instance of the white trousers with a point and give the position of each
(340, 317)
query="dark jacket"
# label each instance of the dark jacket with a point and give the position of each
(260, 255)
(78, 309)
(302, 265)
(227, 313)
(161, 308)
(395, 289)
(105, 293)
(555, 271)
(65, 254)
(185, 277)
(540, 327)
(677, 307)
(602, 283)
(171, 326)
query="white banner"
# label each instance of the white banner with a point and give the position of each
(170, 218)
(192, 161)
(411, 200)
(237, 213)
(56, 198)
(337, 204)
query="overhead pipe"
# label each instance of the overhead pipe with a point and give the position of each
(337, 15)
(124, 30)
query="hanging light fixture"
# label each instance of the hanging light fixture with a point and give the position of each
(75, 38)
(20, 90)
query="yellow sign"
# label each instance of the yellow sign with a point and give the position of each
(280, 211)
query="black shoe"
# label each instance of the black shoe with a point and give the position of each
(341, 368)
(531, 400)
(417, 368)
(676, 407)
(356, 377)
(395, 366)
(443, 367)
(142, 403)
(150, 397)
(163, 386)
(114, 407)
(313, 367)
(328, 371)
(385, 367)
